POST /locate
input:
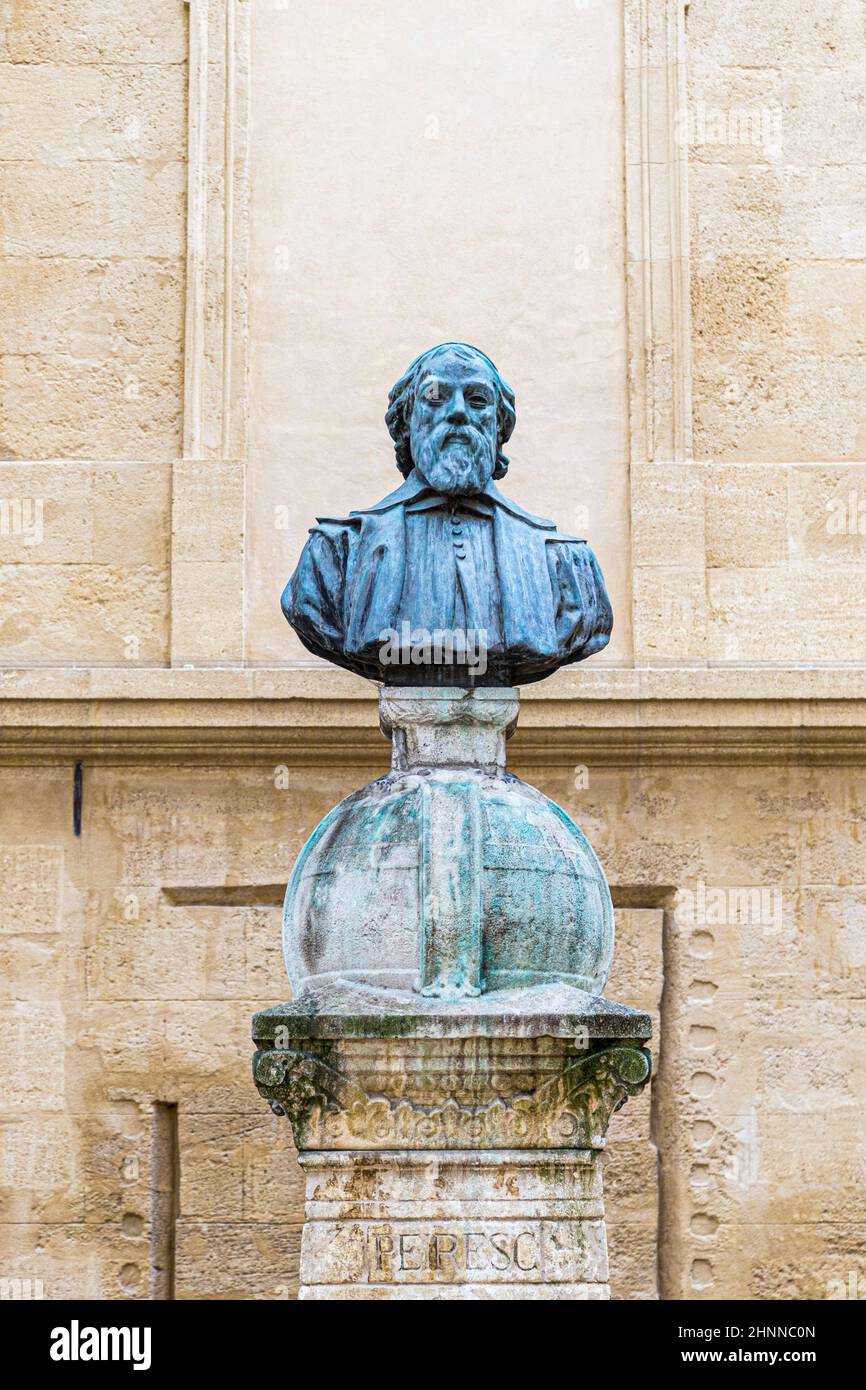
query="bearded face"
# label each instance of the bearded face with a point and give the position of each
(453, 429)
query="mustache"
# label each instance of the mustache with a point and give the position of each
(462, 434)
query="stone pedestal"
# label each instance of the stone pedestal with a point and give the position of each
(452, 1151)
(448, 1065)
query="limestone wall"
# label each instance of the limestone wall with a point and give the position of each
(133, 969)
(92, 266)
(213, 265)
(776, 97)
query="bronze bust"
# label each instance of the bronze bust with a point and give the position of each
(445, 581)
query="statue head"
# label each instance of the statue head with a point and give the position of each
(449, 416)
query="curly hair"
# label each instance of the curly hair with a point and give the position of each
(401, 401)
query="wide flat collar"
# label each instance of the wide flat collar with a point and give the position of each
(416, 490)
(430, 501)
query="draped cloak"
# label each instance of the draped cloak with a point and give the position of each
(539, 594)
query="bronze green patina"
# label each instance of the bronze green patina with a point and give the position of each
(447, 552)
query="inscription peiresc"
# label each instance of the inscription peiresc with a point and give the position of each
(427, 1250)
(448, 1254)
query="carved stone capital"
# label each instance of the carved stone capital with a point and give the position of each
(410, 1093)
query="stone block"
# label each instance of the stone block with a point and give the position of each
(742, 211)
(55, 405)
(807, 614)
(32, 878)
(208, 512)
(670, 613)
(838, 94)
(828, 514)
(119, 112)
(739, 303)
(779, 407)
(95, 209)
(633, 1260)
(724, 34)
(92, 310)
(207, 611)
(747, 515)
(826, 308)
(33, 1041)
(49, 1255)
(225, 1259)
(30, 969)
(667, 514)
(106, 31)
(734, 115)
(75, 613)
(273, 1183)
(79, 513)
(40, 1178)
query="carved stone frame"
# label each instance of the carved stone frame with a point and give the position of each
(209, 479)
(669, 599)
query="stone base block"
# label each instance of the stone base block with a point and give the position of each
(452, 1149)
(460, 1224)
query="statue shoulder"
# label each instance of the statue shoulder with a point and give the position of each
(330, 527)
(561, 538)
(355, 518)
(517, 512)
(552, 535)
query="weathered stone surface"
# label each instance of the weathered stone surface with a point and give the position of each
(468, 1050)
(343, 1010)
(91, 112)
(118, 614)
(235, 1259)
(106, 32)
(668, 513)
(94, 171)
(652, 825)
(794, 599)
(673, 614)
(747, 515)
(452, 1222)
(457, 1163)
(526, 1092)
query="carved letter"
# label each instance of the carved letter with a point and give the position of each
(384, 1246)
(406, 1250)
(528, 1236)
(441, 1245)
(471, 1250)
(500, 1245)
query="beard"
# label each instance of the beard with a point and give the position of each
(456, 460)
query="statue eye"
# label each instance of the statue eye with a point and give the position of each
(431, 393)
(478, 401)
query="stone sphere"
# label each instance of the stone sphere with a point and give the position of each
(355, 904)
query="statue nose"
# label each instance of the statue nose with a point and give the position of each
(457, 407)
